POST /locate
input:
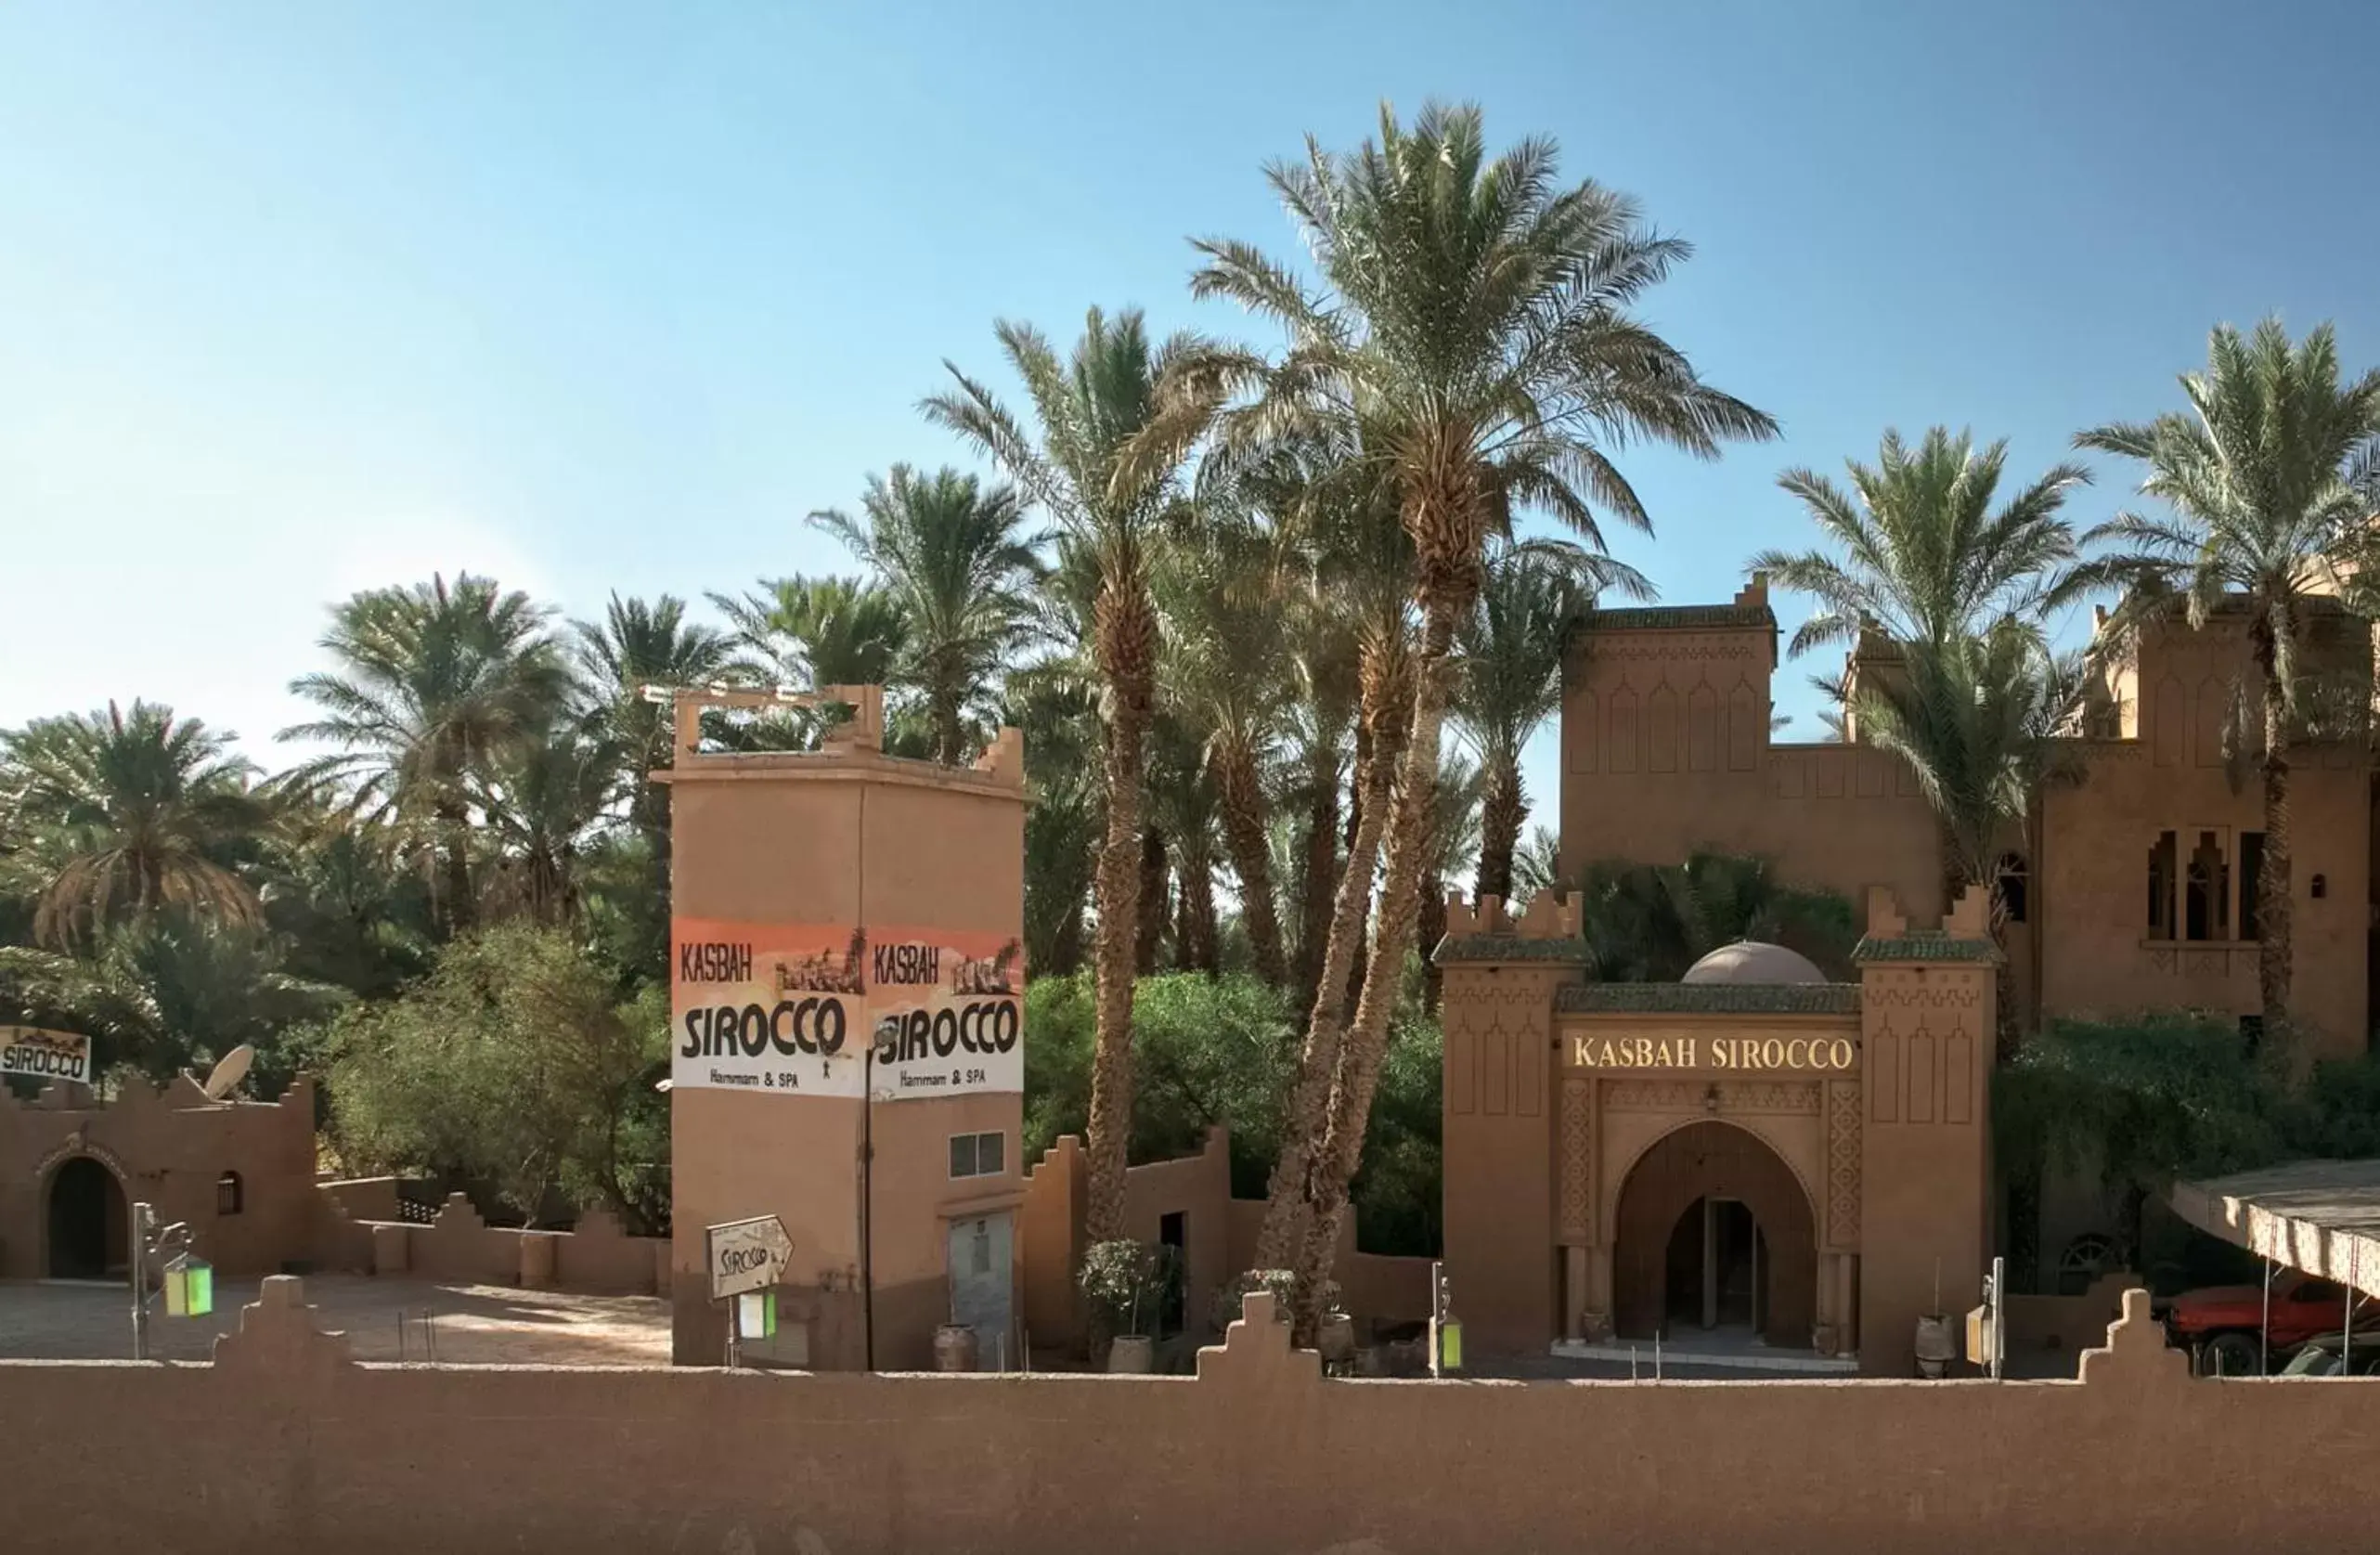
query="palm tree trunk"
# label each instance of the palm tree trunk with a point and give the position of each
(1283, 1231)
(1318, 874)
(1152, 874)
(1245, 832)
(1195, 947)
(2272, 904)
(1433, 929)
(950, 739)
(1409, 844)
(1125, 641)
(454, 852)
(1504, 805)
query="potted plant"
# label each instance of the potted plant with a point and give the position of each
(1281, 1282)
(1124, 1280)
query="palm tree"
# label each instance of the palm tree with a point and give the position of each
(1221, 594)
(950, 553)
(123, 815)
(1472, 340)
(1650, 921)
(545, 801)
(1923, 557)
(1511, 677)
(1090, 410)
(432, 682)
(812, 632)
(2272, 475)
(1454, 840)
(639, 644)
(1978, 720)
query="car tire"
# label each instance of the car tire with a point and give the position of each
(2231, 1354)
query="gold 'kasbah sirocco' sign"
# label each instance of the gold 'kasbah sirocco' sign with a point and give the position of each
(1717, 1053)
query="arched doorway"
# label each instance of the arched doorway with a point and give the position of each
(89, 1229)
(1714, 1231)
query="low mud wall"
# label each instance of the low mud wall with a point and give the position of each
(286, 1443)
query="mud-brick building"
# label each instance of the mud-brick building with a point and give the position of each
(1758, 1150)
(240, 1173)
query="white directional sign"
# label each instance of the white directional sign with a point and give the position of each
(746, 1255)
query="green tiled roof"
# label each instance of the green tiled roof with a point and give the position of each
(1709, 999)
(1676, 617)
(1509, 947)
(1925, 945)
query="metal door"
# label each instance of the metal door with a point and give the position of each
(981, 1286)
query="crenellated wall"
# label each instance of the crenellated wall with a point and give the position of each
(286, 1442)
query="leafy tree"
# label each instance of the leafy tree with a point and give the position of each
(1472, 338)
(1918, 552)
(169, 993)
(1089, 410)
(2272, 475)
(432, 682)
(953, 556)
(2140, 1103)
(121, 817)
(344, 912)
(513, 1063)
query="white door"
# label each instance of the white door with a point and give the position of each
(981, 1283)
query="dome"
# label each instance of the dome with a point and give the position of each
(1752, 962)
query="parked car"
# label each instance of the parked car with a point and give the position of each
(2222, 1326)
(2323, 1354)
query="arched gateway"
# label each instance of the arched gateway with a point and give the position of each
(1714, 1232)
(90, 1234)
(1752, 1149)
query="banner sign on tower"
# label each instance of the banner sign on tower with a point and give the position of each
(823, 1011)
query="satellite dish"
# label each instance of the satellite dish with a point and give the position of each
(228, 1071)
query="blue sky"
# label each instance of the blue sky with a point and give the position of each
(300, 299)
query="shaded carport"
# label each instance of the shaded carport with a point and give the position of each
(2320, 1216)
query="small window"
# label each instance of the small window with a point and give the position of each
(228, 1200)
(2320, 1291)
(2161, 873)
(978, 1155)
(2207, 901)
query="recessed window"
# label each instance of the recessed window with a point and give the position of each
(2010, 885)
(228, 1197)
(978, 1155)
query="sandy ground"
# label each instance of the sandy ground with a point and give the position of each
(385, 1320)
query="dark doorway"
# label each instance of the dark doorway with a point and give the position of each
(88, 1227)
(1173, 1236)
(1713, 1229)
(1715, 1272)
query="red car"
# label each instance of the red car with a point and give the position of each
(2222, 1326)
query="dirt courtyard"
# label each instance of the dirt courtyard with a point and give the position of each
(385, 1320)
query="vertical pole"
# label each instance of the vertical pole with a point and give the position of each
(143, 1218)
(2264, 1329)
(1437, 1318)
(1997, 1359)
(2346, 1330)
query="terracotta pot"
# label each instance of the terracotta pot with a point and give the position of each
(1936, 1347)
(955, 1348)
(1132, 1355)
